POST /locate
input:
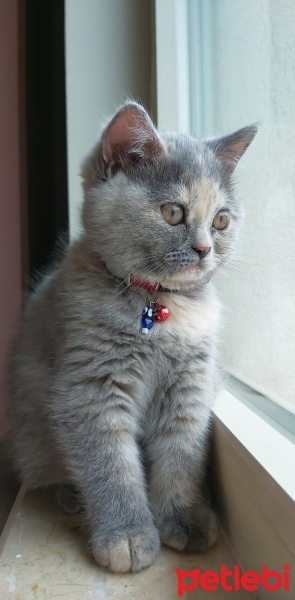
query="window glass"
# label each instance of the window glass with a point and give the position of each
(250, 54)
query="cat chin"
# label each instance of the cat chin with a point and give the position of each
(188, 280)
(185, 279)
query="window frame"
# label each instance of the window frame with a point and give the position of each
(172, 65)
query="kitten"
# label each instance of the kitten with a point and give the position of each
(105, 403)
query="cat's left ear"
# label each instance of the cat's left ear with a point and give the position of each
(230, 148)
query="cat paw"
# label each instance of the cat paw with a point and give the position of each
(191, 530)
(127, 550)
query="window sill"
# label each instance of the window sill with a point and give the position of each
(272, 450)
(255, 487)
(44, 556)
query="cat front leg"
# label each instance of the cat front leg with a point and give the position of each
(96, 435)
(176, 455)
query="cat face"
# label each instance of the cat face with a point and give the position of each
(161, 206)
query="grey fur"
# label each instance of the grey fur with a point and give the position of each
(95, 404)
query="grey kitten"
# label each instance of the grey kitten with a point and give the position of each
(98, 406)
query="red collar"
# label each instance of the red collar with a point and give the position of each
(145, 285)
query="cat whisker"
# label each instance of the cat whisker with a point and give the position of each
(251, 266)
(250, 270)
(242, 277)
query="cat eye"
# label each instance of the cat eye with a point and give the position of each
(172, 213)
(221, 220)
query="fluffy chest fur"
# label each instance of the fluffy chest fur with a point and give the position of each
(190, 319)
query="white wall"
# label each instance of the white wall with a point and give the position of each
(108, 58)
(253, 56)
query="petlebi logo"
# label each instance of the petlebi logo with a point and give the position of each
(234, 580)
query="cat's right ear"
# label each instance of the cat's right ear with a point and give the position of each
(130, 138)
(230, 148)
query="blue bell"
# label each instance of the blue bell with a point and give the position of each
(147, 320)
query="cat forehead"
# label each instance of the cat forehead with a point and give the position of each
(187, 173)
(200, 185)
(203, 199)
(202, 196)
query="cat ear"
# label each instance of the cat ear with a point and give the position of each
(230, 148)
(129, 138)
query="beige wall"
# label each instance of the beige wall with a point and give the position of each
(10, 244)
(108, 58)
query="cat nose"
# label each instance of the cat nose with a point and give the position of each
(202, 250)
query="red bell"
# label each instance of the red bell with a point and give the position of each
(161, 313)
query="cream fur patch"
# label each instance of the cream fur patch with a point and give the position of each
(210, 199)
(189, 319)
